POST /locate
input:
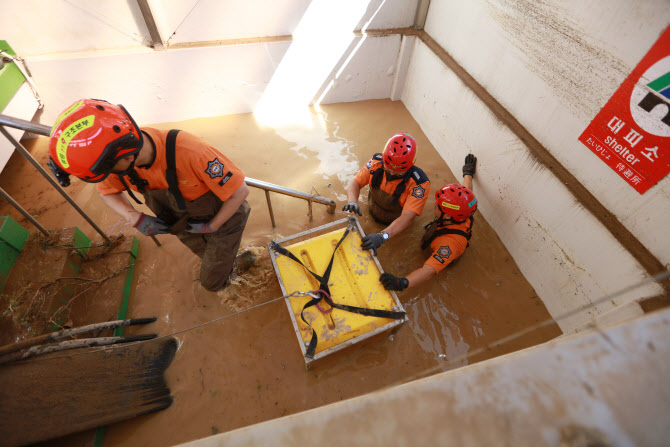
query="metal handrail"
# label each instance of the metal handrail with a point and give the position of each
(289, 192)
(19, 147)
(41, 129)
(28, 126)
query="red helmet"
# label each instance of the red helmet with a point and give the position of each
(90, 136)
(457, 201)
(400, 152)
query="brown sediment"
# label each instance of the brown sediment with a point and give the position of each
(650, 263)
(387, 32)
(285, 38)
(654, 303)
(249, 368)
(241, 41)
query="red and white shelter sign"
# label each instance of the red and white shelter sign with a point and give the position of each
(632, 132)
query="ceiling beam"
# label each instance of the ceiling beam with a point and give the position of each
(147, 15)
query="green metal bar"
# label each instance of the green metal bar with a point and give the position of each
(100, 431)
(99, 436)
(11, 77)
(126, 289)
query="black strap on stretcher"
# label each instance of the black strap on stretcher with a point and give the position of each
(323, 286)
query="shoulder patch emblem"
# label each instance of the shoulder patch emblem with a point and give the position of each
(368, 164)
(418, 191)
(214, 168)
(444, 251)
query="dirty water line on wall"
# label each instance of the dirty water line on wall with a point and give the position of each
(663, 275)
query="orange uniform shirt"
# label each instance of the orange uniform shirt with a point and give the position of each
(447, 248)
(200, 168)
(412, 199)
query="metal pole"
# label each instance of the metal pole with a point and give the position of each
(272, 215)
(53, 182)
(309, 210)
(421, 14)
(150, 22)
(25, 213)
(291, 192)
(28, 126)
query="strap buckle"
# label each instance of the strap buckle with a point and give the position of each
(319, 295)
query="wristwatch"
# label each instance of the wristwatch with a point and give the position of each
(385, 235)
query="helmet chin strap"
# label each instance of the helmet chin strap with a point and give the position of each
(392, 177)
(134, 178)
(441, 220)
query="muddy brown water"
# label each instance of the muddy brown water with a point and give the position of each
(248, 368)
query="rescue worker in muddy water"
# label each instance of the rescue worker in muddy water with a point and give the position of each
(195, 192)
(448, 235)
(398, 189)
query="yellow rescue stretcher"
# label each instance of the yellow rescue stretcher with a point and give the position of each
(354, 305)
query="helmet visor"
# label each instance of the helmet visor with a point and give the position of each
(113, 152)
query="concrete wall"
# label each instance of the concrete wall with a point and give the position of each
(36, 27)
(183, 21)
(102, 49)
(553, 65)
(590, 389)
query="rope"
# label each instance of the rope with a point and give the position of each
(290, 295)
(26, 74)
(658, 277)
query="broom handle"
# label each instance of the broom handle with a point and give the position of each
(73, 344)
(59, 335)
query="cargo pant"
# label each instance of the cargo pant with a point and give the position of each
(217, 250)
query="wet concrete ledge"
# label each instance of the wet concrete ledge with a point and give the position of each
(568, 392)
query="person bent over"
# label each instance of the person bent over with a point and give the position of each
(195, 192)
(447, 236)
(398, 189)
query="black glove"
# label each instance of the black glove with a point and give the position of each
(62, 176)
(372, 242)
(470, 165)
(352, 207)
(392, 282)
(150, 225)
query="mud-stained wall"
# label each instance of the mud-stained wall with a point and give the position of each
(552, 65)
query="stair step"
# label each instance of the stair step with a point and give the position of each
(12, 239)
(37, 295)
(41, 292)
(108, 300)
